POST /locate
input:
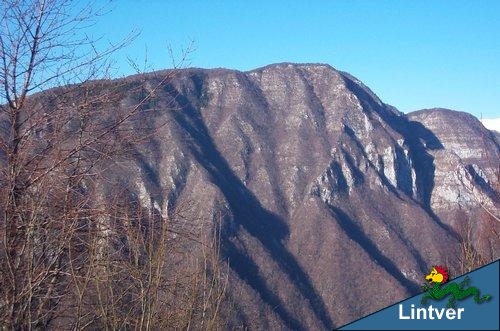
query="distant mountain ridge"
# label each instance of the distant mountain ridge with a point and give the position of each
(333, 203)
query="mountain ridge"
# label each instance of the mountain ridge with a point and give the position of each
(331, 203)
(306, 143)
(293, 148)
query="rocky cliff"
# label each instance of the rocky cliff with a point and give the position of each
(466, 177)
(332, 203)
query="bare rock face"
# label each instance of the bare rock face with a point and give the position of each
(333, 204)
(467, 169)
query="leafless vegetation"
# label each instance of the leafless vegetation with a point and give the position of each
(469, 257)
(73, 255)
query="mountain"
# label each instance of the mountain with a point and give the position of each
(466, 175)
(332, 203)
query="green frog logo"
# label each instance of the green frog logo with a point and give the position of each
(439, 276)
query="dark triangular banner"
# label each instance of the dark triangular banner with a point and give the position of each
(411, 314)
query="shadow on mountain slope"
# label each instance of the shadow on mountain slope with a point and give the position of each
(415, 136)
(356, 233)
(247, 211)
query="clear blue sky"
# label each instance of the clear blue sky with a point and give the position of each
(412, 54)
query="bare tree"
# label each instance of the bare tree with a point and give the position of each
(69, 258)
(468, 257)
